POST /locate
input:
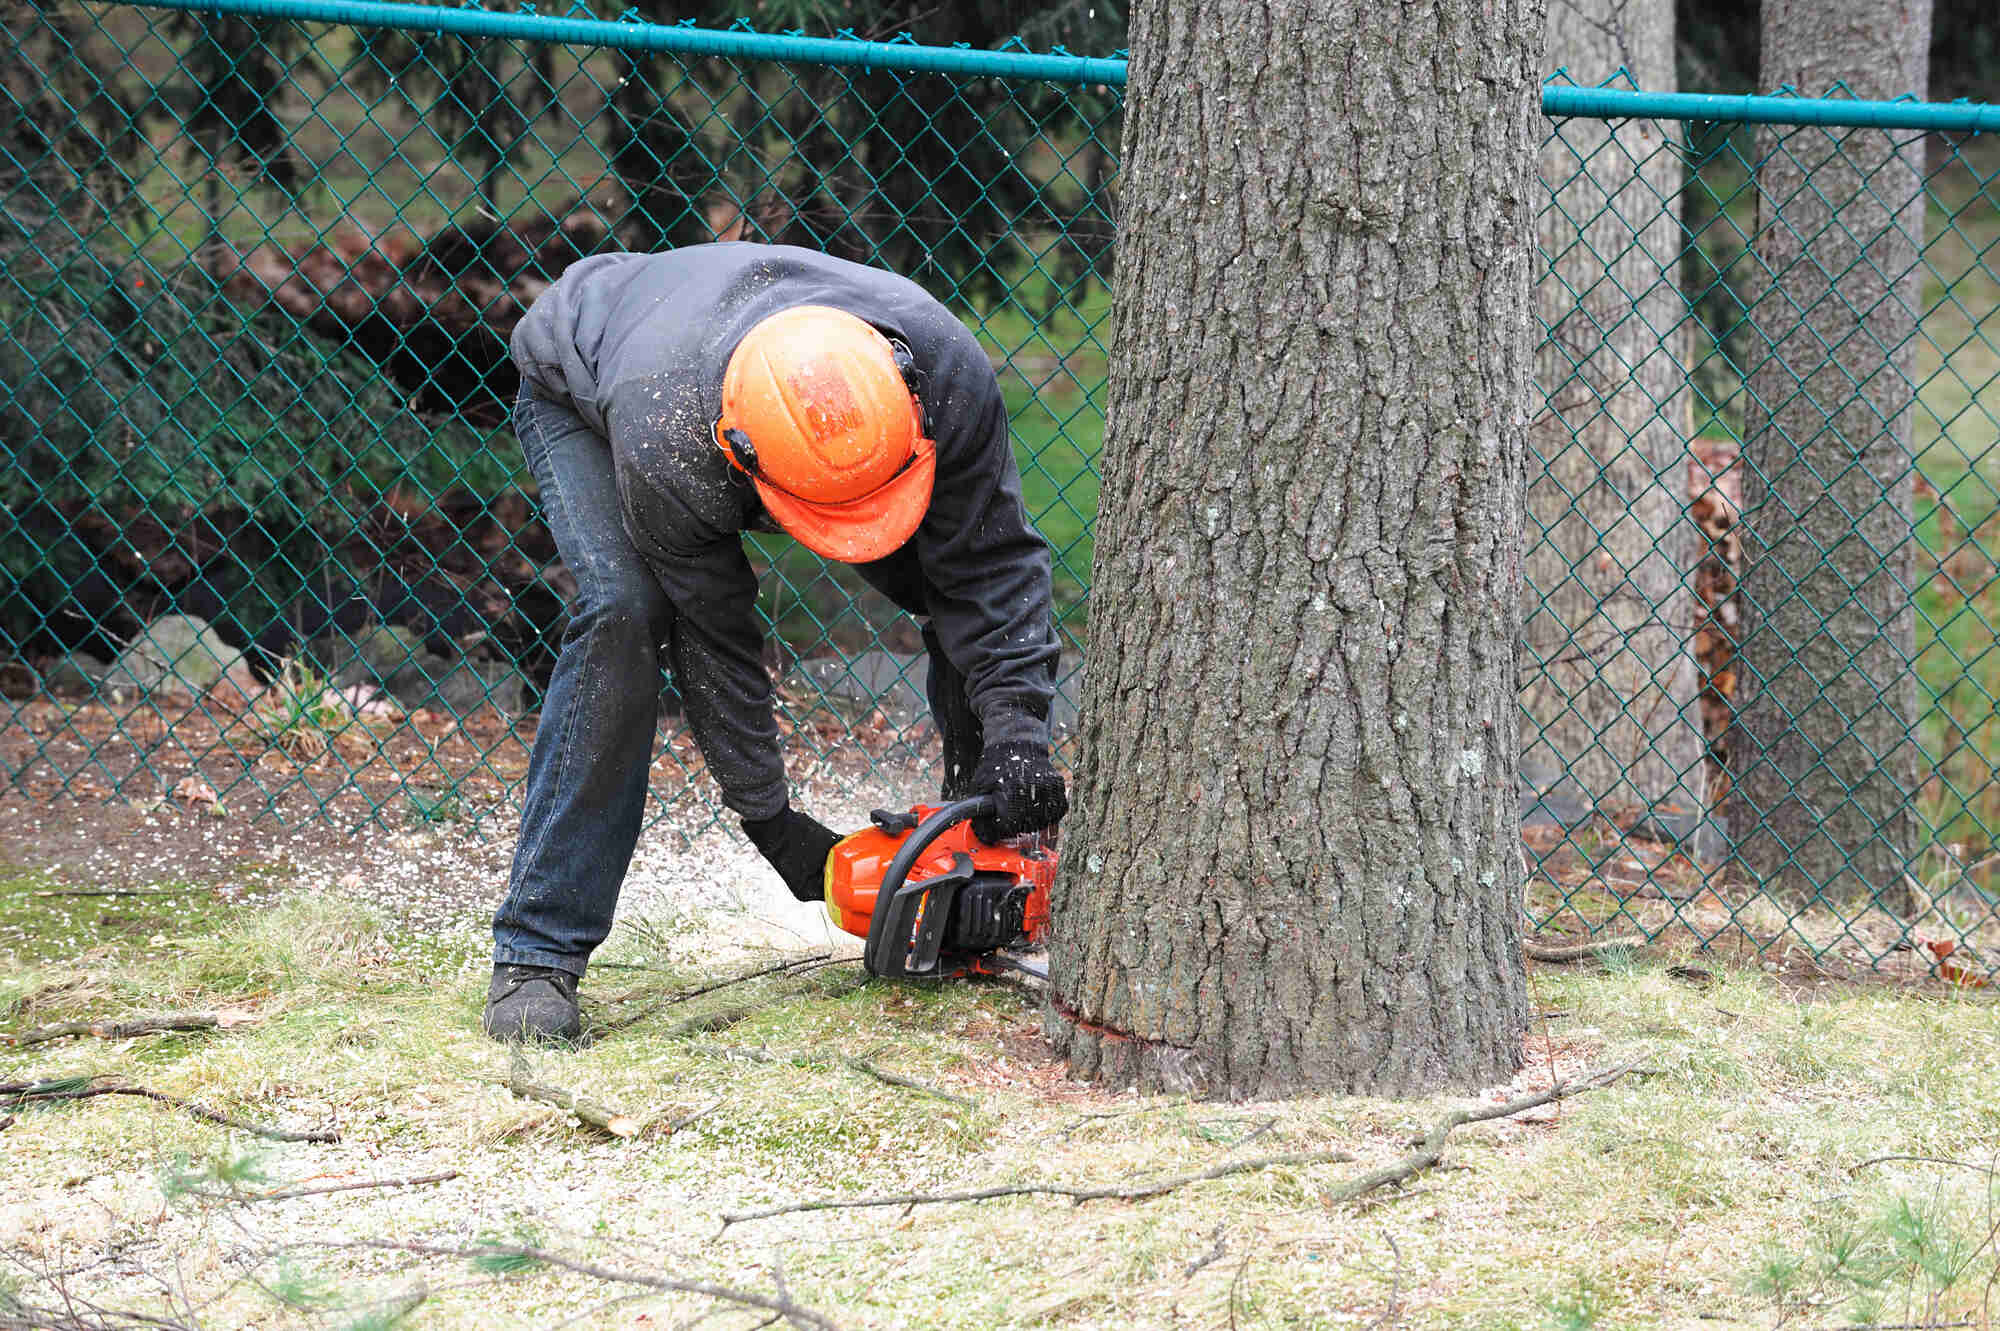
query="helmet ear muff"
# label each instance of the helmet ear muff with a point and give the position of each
(913, 379)
(741, 449)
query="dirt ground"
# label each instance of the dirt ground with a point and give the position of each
(412, 813)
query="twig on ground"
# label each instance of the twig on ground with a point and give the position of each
(778, 1283)
(288, 1193)
(1235, 1281)
(806, 1060)
(1431, 1148)
(676, 1125)
(1265, 1126)
(1082, 1119)
(793, 966)
(1104, 1192)
(1388, 1317)
(1903, 1326)
(862, 1065)
(125, 1030)
(85, 1088)
(1404, 1194)
(1209, 1258)
(707, 1023)
(6, 1122)
(1922, 1160)
(589, 1112)
(596, 1308)
(797, 1313)
(1594, 950)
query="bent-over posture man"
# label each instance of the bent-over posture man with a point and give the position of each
(671, 402)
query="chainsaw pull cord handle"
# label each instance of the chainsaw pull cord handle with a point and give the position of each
(929, 830)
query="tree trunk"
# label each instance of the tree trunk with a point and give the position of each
(1608, 683)
(1294, 864)
(1823, 758)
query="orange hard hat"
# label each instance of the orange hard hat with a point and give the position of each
(817, 409)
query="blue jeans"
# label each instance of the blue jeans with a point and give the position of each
(586, 792)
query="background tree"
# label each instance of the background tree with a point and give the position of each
(479, 98)
(1823, 759)
(1719, 41)
(240, 66)
(1608, 683)
(1294, 863)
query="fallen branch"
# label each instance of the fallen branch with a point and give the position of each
(1431, 1146)
(120, 892)
(589, 1112)
(6, 1122)
(125, 1030)
(1106, 1192)
(1591, 951)
(85, 1088)
(783, 1307)
(288, 1193)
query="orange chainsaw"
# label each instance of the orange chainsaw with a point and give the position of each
(933, 901)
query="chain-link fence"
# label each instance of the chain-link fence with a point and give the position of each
(273, 545)
(1760, 678)
(273, 550)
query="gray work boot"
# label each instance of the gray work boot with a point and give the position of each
(532, 1003)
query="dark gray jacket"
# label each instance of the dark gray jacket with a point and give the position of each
(636, 344)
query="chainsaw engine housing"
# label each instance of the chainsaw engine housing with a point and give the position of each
(956, 901)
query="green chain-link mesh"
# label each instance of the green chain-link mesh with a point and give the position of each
(272, 549)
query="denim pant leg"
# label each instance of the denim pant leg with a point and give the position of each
(586, 791)
(901, 579)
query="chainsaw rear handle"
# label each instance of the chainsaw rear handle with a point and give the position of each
(899, 943)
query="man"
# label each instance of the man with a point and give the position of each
(671, 402)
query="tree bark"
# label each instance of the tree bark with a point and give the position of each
(1609, 685)
(1294, 864)
(1823, 760)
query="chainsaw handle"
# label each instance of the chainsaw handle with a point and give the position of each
(890, 925)
(929, 830)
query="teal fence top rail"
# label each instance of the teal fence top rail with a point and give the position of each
(1566, 101)
(632, 35)
(1558, 100)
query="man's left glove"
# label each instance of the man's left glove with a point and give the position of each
(1024, 784)
(797, 845)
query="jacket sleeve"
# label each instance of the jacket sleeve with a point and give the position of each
(715, 647)
(987, 567)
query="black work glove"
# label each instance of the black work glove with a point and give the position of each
(1024, 785)
(797, 846)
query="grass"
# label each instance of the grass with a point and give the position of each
(1730, 1181)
